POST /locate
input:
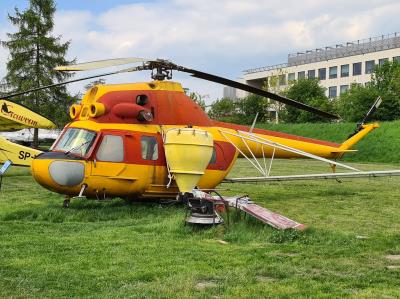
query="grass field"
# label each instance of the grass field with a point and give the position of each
(116, 249)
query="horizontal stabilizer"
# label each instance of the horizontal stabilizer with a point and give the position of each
(343, 151)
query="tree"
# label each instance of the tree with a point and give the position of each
(34, 52)
(199, 99)
(355, 103)
(222, 109)
(272, 84)
(307, 91)
(386, 82)
(249, 106)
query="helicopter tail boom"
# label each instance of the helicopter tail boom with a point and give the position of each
(316, 147)
(365, 129)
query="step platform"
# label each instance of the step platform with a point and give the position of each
(268, 217)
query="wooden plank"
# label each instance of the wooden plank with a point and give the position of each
(268, 217)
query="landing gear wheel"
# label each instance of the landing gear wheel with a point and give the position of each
(66, 203)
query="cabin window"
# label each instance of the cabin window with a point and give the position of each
(213, 159)
(111, 149)
(149, 148)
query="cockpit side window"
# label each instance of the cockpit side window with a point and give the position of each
(111, 149)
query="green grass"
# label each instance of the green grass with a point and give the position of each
(381, 145)
(116, 249)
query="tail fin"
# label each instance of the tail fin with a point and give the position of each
(354, 138)
(362, 129)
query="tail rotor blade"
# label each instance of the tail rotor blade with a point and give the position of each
(372, 110)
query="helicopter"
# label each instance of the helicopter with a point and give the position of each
(149, 140)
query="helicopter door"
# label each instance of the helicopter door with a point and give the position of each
(153, 157)
(109, 157)
(110, 168)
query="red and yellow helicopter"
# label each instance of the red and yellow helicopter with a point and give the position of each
(150, 140)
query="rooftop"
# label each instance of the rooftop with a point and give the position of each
(361, 46)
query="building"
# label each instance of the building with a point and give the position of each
(229, 92)
(337, 67)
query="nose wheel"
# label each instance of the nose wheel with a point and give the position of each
(66, 203)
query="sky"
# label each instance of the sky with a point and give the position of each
(222, 37)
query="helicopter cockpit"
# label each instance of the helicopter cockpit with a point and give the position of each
(76, 141)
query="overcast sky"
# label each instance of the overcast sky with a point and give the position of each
(221, 37)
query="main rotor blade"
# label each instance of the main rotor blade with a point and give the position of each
(131, 69)
(93, 65)
(251, 89)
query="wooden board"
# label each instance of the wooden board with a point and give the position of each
(273, 219)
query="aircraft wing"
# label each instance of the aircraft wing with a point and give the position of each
(15, 117)
(17, 154)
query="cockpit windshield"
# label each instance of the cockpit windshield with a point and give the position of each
(76, 141)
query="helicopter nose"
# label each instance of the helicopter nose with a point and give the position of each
(66, 173)
(58, 175)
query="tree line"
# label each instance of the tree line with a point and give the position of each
(352, 105)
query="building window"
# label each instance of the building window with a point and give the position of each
(322, 74)
(111, 149)
(396, 58)
(282, 80)
(149, 148)
(301, 75)
(291, 77)
(369, 66)
(344, 70)
(343, 88)
(382, 61)
(332, 92)
(356, 68)
(311, 74)
(333, 72)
